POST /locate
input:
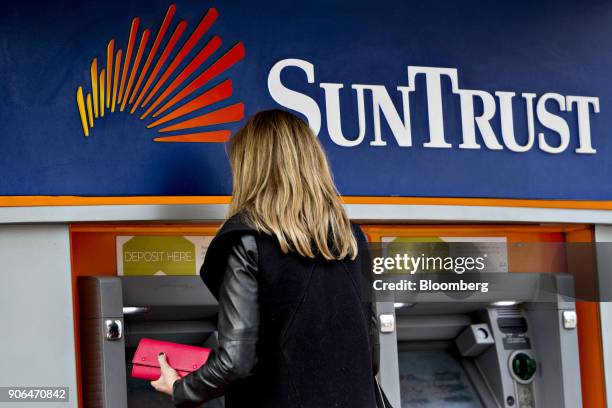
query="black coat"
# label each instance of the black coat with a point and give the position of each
(314, 346)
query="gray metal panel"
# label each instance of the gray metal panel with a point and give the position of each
(425, 213)
(557, 350)
(52, 214)
(570, 366)
(493, 362)
(103, 367)
(389, 365)
(359, 212)
(603, 233)
(545, 339)
(102, 360)
(166, 291)
(114, 372)
(483, 390)
(605, 316)
(37, 348)
(98, 297)
(430, 327)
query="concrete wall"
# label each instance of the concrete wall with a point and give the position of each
(36, 318)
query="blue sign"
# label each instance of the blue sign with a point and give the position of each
(507, 99)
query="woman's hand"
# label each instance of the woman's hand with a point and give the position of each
(168, 376)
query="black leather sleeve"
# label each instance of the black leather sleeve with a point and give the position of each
(238, 331)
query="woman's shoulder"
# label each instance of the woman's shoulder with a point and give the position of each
(233, 232)
(236, 223)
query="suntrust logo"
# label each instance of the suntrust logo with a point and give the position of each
(554, 141)
(159, 91)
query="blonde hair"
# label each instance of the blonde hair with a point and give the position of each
(284, 187)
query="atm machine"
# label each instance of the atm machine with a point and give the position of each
(512, 353)
(116, 312)
(436, 352)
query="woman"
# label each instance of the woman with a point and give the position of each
(286, 268)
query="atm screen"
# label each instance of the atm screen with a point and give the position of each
(434, 379)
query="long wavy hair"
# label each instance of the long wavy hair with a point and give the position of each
(284, 187)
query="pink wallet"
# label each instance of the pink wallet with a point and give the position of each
(183, 358)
